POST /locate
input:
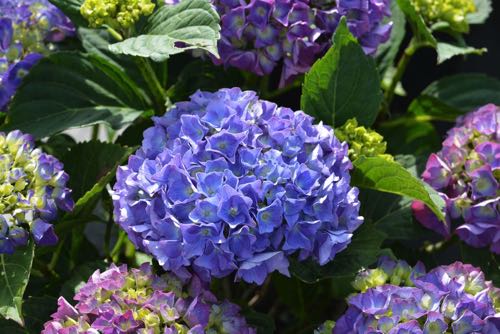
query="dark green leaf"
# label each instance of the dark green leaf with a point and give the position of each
(174, 29)
(447, 51)
(388, 51)
(89, 162)
(92, 165)
(362, 252)
(421, 31)
(382, 175)
(410, 135)
(334, 84)
(72, 9)
(37, 310)
(202, 75)
(67, 90)
(15, 272)
(483, 11)
(262, 322)
(450, 97)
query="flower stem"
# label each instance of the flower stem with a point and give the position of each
(95, 132)
(408, 53)
(154, 85)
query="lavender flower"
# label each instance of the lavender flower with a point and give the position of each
(137, 301)
(449, 299)
(466, 172)
(230, 183)
(260, 35)
(32, 189)
(29, 29)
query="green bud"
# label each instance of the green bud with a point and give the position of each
(369, 279)
(117, 14)
(453, 12)
(362, 141)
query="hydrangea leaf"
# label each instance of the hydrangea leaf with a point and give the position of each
(15, 272)
(447, 51)
(450, 97)
(333, 83)
(96, 164)
(361, 252)
(192, 24)
(420, 29)
(71, 8)
(382, 175)
(483, 11)
(70, 89)
(388, 51)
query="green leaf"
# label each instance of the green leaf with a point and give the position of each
(388, 51)
(450, 97)
(483, 11)
(447, 51)
(15, 272)
(191, 24)
(421, 31)
(362, 252)
(89, 162)
(334, 83)
(72, 10)
(264, 323)
(91, 166)
(382, 175)
(67, 90)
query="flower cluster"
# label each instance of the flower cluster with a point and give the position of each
(117, 14)
(362, 141)
(137, 301)
(466, 172)
(260, 35)
(32, 189)
(449, 299)
(388, 271)
(227, 182)
(28, 30)
(452, 12)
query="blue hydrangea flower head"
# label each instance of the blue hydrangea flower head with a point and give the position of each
(261, 35)
(121, 300)
(33, 189)
(29, 29)
(466, 173)
(449, 299)
(229, 183)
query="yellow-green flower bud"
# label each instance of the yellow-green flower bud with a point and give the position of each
(453, 12)
(362, 141)
(117, 14)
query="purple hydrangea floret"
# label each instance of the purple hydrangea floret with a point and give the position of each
(29, 30)
(449, 299)
(260, 35)
(230, 183)
(121, 300)
(466, 173)
(32, 191)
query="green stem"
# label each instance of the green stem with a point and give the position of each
(95, 132)
(400, 70)
(115, 253)
(154, 85)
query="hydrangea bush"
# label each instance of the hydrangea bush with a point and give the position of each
(229, 183)
(33, 190)
(449, 299)
(220, 167)
(29, 29)
(122, 300)
(466, 172)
